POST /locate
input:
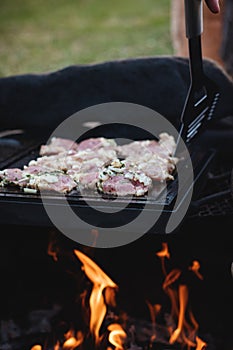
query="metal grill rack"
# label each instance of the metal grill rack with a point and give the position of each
(217, 195)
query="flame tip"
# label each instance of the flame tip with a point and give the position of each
(103, 294)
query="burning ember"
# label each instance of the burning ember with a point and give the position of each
(107, 329)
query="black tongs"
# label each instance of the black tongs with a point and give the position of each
(203, 94)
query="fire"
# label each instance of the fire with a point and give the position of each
(195, 268)
(178, 332)
(97, 303)
(71, 344)
(162, 254)
(181, 327)
(57, 346)
(154, 311)
(52, 249)
(117, 336)
(72, 341)
(201, 345)
(185, 332)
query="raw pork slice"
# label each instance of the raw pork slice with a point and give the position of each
(96, 143)
(53, 181)
(76, 160)
(61, 161)
(117, 180)
(145, 149)
(86, 173)
(85, 166)
(35, 169)
(38, 178)
(87, 180)
(102, 154)
(13, 176)
(58, 145)
(94, 163)
(167, 143)
(156, 167)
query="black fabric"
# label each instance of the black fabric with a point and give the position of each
(160, 83)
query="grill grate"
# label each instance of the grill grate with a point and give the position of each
(216, 208)
(217, 196)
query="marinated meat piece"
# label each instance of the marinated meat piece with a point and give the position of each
(38, 178)
(136, 149)
(65, 161)
(167, 143)
(35, 169)
(103, 154)
(58, 145)
(116, 179)
(86, 173)
(146, 149)
(96, 143)
(117, 185)
(61, 161)
(87, 180)
(90, 166)
(53, 181)
(13, 176)
(122, 186)
(157, 168)
(94, 163)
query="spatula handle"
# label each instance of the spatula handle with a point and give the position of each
(193, 18)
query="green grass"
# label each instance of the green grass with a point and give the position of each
(46, 35)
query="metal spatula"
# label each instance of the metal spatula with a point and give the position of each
(203, 94)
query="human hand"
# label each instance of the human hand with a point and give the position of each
(213, 5)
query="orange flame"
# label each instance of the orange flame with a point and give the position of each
(154, 311)
(103, 294)
(183, 299)
(201, 345)
(57, 346)
(72, 342)
(117, 336)
(52, 249)
(179, 300)
(97, 304)
(171, 278)
(195, 268)
(162, 254)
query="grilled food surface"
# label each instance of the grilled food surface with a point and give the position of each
(96, 164)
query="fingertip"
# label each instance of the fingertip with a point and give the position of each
(214, 7)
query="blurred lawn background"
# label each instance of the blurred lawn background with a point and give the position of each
(38, 36)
